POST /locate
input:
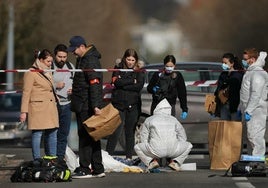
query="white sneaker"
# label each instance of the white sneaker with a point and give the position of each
(154, 164)
(174, 165)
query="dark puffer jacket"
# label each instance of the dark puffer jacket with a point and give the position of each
(86, 96)
(127, 92)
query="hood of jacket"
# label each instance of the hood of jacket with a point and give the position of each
(163, 108)
(260, 62)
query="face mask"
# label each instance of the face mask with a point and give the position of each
(245, 64)
(225, 66)
(169, 69)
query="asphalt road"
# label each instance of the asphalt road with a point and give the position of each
(202, 177)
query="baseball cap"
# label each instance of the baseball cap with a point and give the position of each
(75, 42)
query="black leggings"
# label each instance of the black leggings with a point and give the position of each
(129, 118)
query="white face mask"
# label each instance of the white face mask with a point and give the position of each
(225, 66)
(245, 64)
(169, 69)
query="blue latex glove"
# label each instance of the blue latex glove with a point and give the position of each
(184, 115)
(239, 114)
(247, 116)
(155, 89)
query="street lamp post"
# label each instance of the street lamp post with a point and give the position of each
(10, 47)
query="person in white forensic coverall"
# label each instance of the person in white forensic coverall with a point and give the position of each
(163, 136)
(253, 101)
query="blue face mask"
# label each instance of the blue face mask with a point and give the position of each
(169, 69)
(225, 66)
(245, 64)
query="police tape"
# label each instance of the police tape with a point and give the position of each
(102, 70)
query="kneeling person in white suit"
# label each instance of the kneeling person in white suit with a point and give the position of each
(162, 136)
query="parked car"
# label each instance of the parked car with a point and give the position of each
(11, 130)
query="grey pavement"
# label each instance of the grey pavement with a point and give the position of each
(202, 177)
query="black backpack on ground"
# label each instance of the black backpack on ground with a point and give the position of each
(248, 169)
(43, 170)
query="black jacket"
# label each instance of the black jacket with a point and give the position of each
(126, 92)
(86, 96)
(233, 82)
(171, 86)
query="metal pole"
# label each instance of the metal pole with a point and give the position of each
(10, 47)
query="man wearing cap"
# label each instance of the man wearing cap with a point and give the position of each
(86, 100)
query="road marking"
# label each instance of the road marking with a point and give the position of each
(196, 156)
(240, 178)
(244, 185)
(242, 182)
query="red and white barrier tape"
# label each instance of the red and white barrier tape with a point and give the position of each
(102, 70)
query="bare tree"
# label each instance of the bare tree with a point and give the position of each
(105, 23)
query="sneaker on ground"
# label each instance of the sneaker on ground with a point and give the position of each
(81, 173)
(101, 175)
(154, 164)
(174, 165)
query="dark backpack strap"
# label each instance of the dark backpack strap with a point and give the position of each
(70, 67)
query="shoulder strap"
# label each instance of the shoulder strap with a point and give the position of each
(70, 67)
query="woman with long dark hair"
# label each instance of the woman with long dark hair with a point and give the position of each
(126, 98)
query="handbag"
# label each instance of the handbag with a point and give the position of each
(210, 103)
(223, 95)
(104, 124)
(224, 142)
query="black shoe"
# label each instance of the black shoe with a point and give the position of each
(100, 175)
(61, 163)
(80, 173)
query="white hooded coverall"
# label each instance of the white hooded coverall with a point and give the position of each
(162, 136)
(253, 100)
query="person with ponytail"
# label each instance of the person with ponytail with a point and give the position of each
(39, 105)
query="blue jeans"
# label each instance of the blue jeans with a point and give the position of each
(65, 117)
(227, 115)
(50, 141)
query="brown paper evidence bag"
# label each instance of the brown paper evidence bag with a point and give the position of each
(100, 126)
(224, 140)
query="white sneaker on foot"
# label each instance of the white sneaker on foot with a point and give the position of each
(174, 165)
(154, 164)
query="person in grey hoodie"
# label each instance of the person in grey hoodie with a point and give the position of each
(163, 136)
(253, 100)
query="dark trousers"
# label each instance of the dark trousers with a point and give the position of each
(89, 150)
(65, 116)
(129, 118)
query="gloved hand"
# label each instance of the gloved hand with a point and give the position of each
(184, 115)
(155, 89)
(239, 114)
(247, 116)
